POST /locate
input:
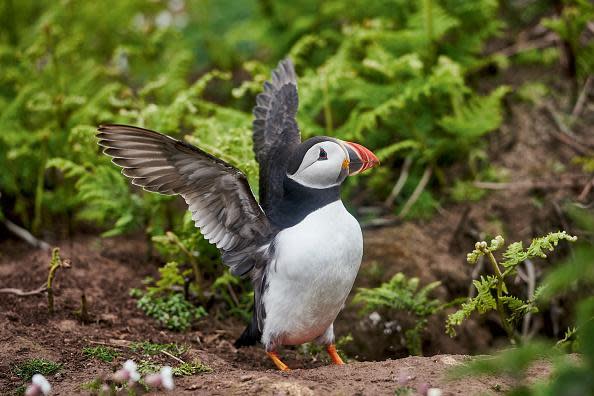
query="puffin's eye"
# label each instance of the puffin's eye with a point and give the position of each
(323, 155)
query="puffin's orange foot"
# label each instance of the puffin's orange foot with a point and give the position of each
(333, 354)
(277, 362)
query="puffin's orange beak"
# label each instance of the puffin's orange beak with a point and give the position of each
(360, 158)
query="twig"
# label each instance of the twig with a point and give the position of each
(380, 222)
(528, 185)
(197, 276)
(531, 284)
(25, 235)
(581, 101)
(517, 48)
(399, 183)
(172, 356)
(118, 344)
(478, 268)
(565, 134)
(417, 192)
(233, 295)
(587, 188)
(19, 292)
(55, 263)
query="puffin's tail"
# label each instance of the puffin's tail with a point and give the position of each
(250, 336)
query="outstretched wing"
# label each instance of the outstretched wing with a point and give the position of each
(218, 194)
(276, 133)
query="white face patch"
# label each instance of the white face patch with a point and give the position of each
(321, 165)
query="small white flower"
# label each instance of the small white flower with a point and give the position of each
(375, 318)
(167, 378)
(164, 379)
(40, 380)
(131, 368)
(164, 19)
(39, 386)
(433, 392)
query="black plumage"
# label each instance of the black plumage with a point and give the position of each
(276, 134)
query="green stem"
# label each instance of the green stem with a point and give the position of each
(197, 276)
(327, 107)
(429, 31)
(428, 14)
(37, 211)
(54, 265)
(500, 308)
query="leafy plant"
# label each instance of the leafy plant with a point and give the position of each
(492, 293)
(181, 370)
(100, 352)
(569, 376)
(239, 303)
(151, 348)
(316, 351)
(172, 311)
(41, 366)
(570, 25)
(191, 368)
(402, 294)
(164, 300)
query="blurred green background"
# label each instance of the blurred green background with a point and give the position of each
(400, 76)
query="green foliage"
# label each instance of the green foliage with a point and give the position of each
(191, 368)
(239, 303)
(491, 289)
(569, 376)
(164, 300)
(146, 366)
(151, 348)
(570, 25)
(100, 352)
(181, 370)
(93, 386)
(315, 351)
(394, 74)
(402, 294)
(405, 391)
(28, 368)
(172, 311)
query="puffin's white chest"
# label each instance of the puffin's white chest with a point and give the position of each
(316, 262)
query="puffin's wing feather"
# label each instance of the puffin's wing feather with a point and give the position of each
(218, 194)
(276, 132)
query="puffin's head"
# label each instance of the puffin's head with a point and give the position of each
(322, 162)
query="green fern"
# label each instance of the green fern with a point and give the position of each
(492, 289)
(402, 294)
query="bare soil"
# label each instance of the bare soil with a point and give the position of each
(105, 270)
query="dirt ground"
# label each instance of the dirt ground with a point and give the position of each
(105, 270)
(540, 179)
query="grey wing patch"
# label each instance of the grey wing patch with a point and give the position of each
(217, 194)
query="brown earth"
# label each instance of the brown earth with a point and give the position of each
(105, 270)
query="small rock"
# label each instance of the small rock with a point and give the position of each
(450, 361)
(67, 325)
(245, 378)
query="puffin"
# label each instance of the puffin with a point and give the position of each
(299, 245)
